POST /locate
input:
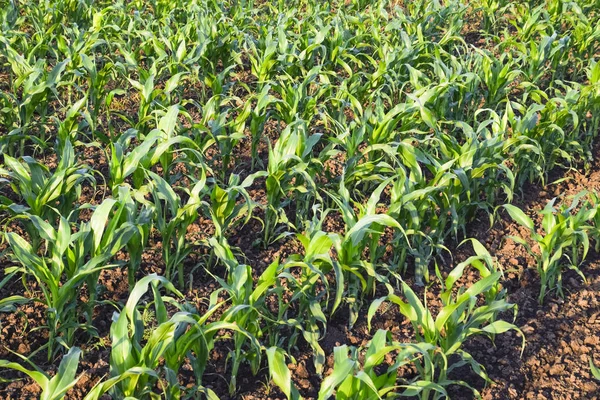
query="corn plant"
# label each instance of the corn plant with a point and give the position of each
(415, 201)
(460, 318)
(280, 374)
(141, 218)
(297, 100)
(55, 387)
(121, 164)
(416, 119)
(595, 219)
(69, 261)
(591, 92)
(33, 88)
(497, 74)
(363, 231)
(287, 162)
(165, 149)
(225, 132)
(533, 131)
(491, 10)
(226, 210)
(528, 22)
(173, 216)
(565, 237)
(306, 310)
(262, 57)
(351, 379)
(46, 194)
(247, 303)
(98, 100)
(151, 96)
(259, 115)
(145, 348)
(156, 147)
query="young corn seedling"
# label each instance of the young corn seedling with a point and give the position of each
(280, 374)
(247, 304)
(142, 219)
(374, 379)
(473, 176)
(549, 50)
(592, 93)
(466, 178)
(540, 138)
(288, 171)
(55, 387)
(47, 194)
(164, 346)
(70, 260)
(259, 115)
(497, 74)
(416, 202)
(165, 149)
(173, 216)
(564, 238)
(225, 209)
(363, 231)
(127, 333)
(226, 132)
(122, 165)
(528, 22)
(461, 317)
(297, 100)
(305, 310)
(262, 56)
(68, 128)
(594, 203)
(36, 85)
(151, 96)
(99, 101)
(156, 147)
(491, 10)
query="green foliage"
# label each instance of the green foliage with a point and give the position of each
(594, 369)
(69, 260)
(53, 388)
(47, 194)
(351, 379)
(172, 217)
(564, 242)
(356, 142)
(461, 317)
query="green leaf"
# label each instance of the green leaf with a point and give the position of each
(65, 377)
(39, 377)
(361, 228)
(99, 220)
(342, 368)
(595, 370)
(519, 216)
(7, 304)
(168, 122)
(279, 372)
(102, 387)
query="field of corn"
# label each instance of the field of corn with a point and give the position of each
(299, 199)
